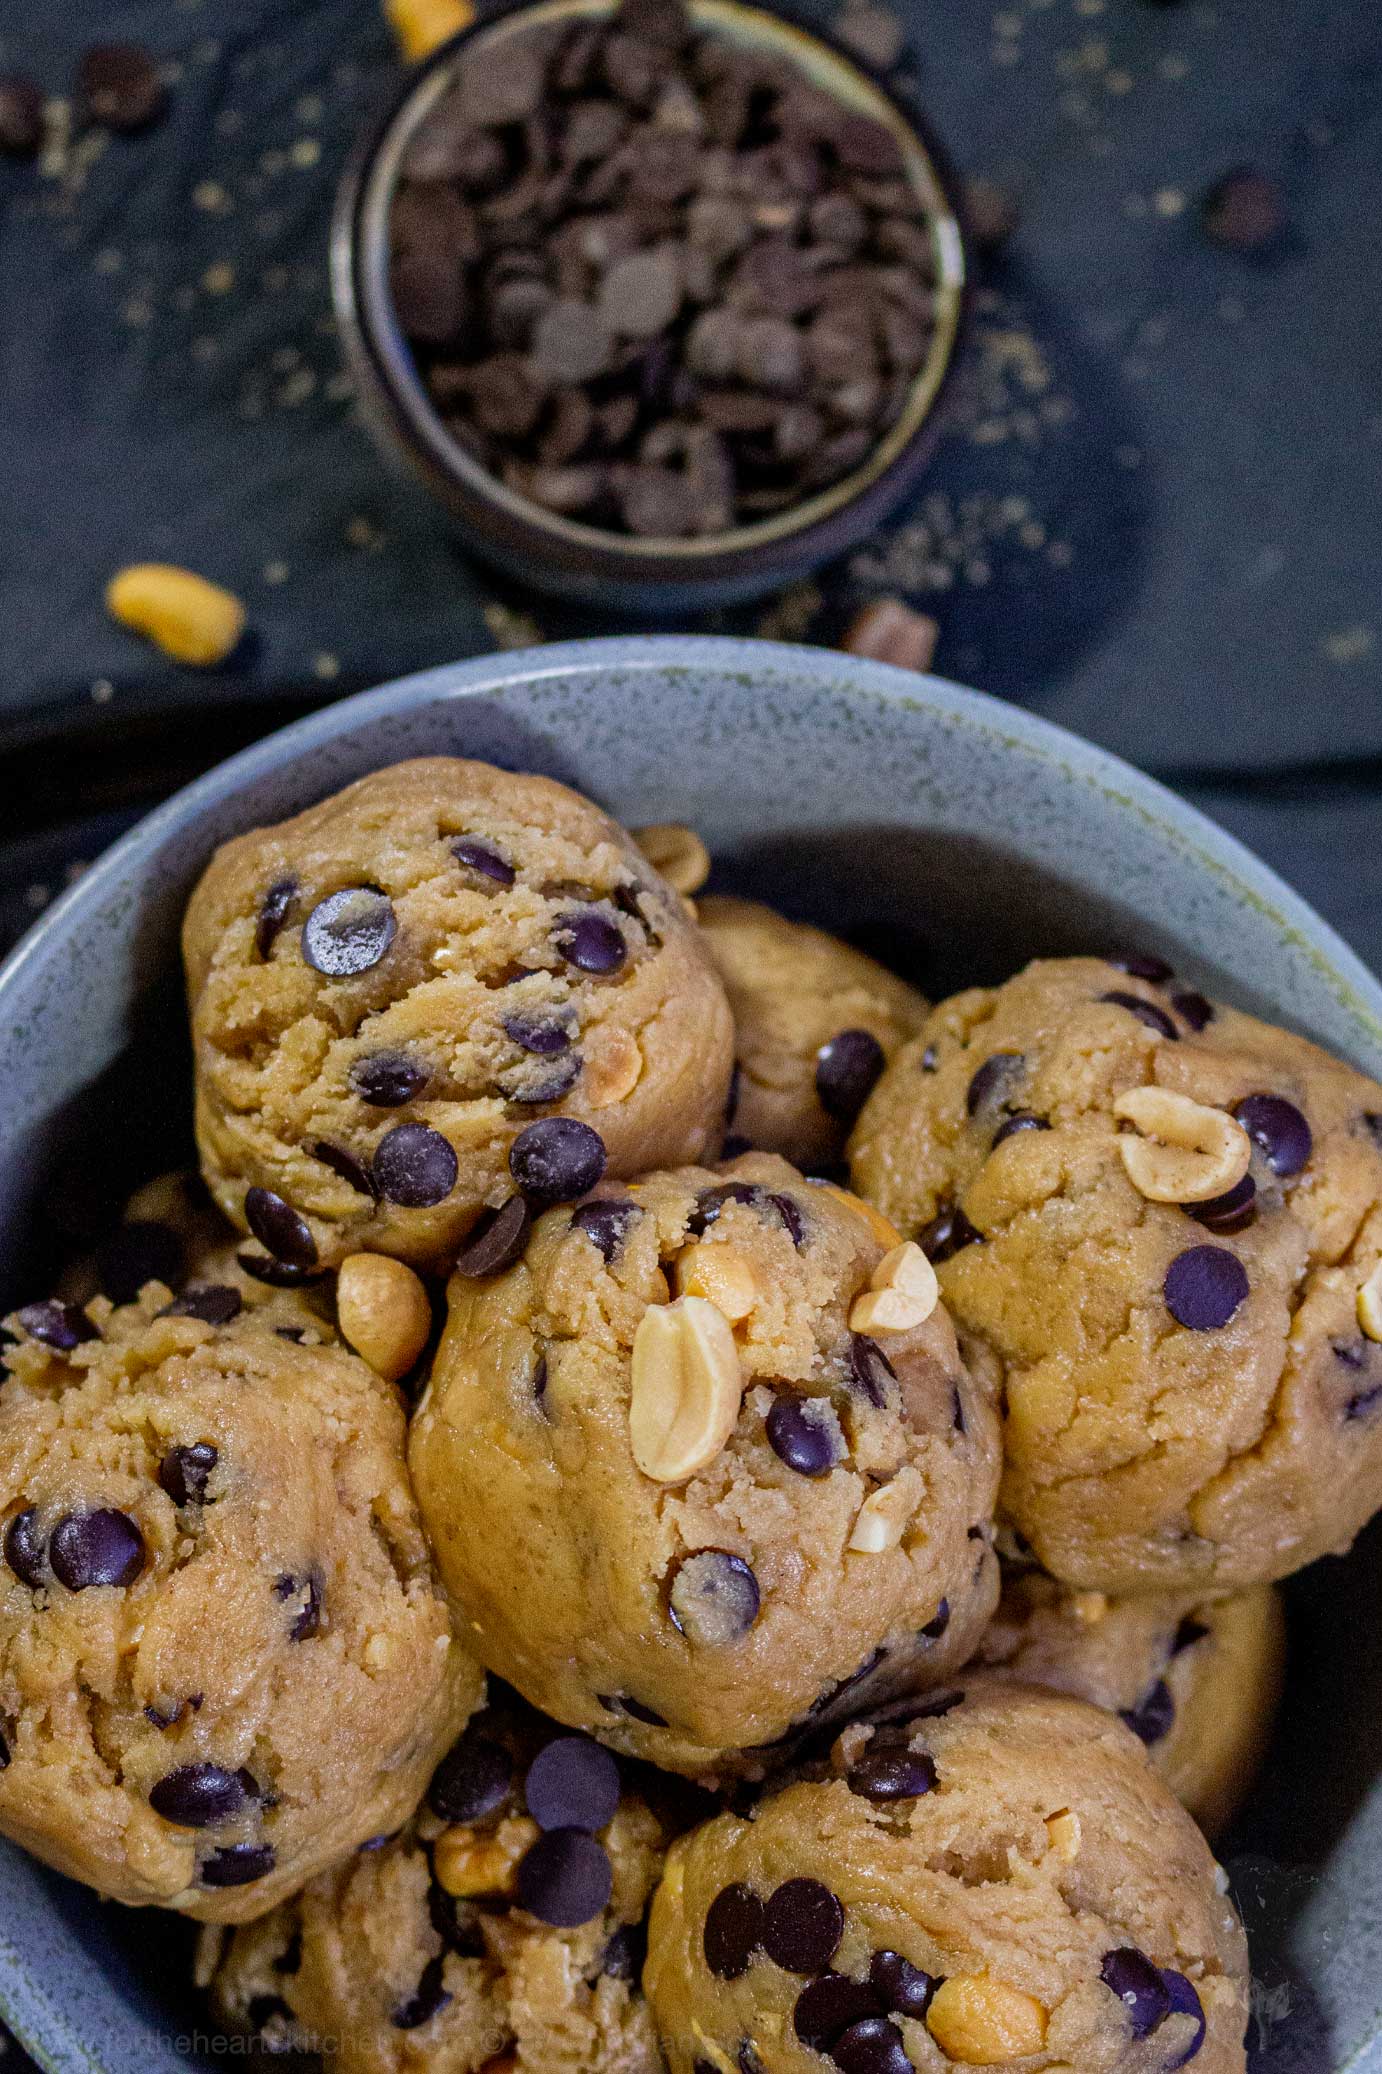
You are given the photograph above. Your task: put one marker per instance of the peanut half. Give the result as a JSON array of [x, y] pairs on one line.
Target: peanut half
[[721, 1275], [190, 619], [383, 1311], [687, 1388], [902, 1293], [883, 1517], [422, 26], [677, 853], [982, 2022], [1185, 1152], [1370, 1304]]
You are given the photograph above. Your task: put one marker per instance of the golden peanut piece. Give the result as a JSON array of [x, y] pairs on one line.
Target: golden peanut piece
[[687, 1388], [1063, 1835], [883, 1517], [1089, 1607], [886, 1233], [613, 1067], [190, 619], [422, 26], [1370, 1304], [384, 1312], [1185, 1152], [467, 1861], [722, 1276], [980, 2021], [902, 1293], [677, 853]]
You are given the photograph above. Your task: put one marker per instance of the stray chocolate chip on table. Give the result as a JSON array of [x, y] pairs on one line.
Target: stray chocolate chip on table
[[118, 86], [21, 116]]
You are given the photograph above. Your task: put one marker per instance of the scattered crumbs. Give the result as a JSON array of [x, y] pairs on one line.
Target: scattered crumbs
[[275, 572], [362, 532], [137, 312], [310, 108], [219, 278], [102, 691], [791, 614], [1060, 554], [1269, 564], [306, 151], [1090, 7], [272, 162], [1168, 201], [510, 628], [296, 390], [326, 666], [37, 896], [1119, 82], [284, 359], [1008, 23], [108, 260], [212, 197], [229, 122], [1173, 66], [1350, 645], [946, 543], [873, 32], [339, 388], [204, 347]]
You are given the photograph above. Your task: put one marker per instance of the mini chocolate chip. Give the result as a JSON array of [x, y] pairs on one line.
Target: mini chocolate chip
[[1154, 1715], [886, 1775], [805, 1434], [349, 932], [414, 1166], [1146, 1012], [1204, 1287], [388, 1079], [957, 1412], [1363, 1402], [98, 1547], [479, 858], [947, 1234], [352, 1171], [1139, 1986], [279, 1229], [870, 1371], [1193, 1008], [274, 910], [496, 1240], [711, 1201], [198, 1796], [135, 1253], [903, 1988], [803, 1923], [1231, 1212], [473, 1779], [1185, 2001], [119, 87], [539, 1382], [937, 1626], [835, 1692], [565, 1879], [733, 1931], [1279, 1131], [550, 1086], [828, 2006], [280, 1274], [872, 2046], [25, 1548], [159, 1718], [605, 1224], [572, 1783], [427, 2000], [988, 1083], [185, 1472], [748, 2060], [1189, 1632], [543, 1035], [1142, 966], [21, 116], [215, 1303], [791, 1217], [557, 1160], [1020, 1120], [459, 1932], [929, 1059], [714, 1598], [237, 1865], [59, 1325], [309, 1618], [591, 942], [623, 1957], [625, 1703], [847, 1070]]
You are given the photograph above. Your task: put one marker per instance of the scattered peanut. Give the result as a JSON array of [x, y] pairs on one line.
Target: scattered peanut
[[677, 853], [722, 1276], [190, 619], [980, 2021], [883, 1517], [902, 1292], [422, 26], [886, 1233], [384, 1312], [1186, 1152], [1089, 1608], [613, 1066], [1063, 1835], [889, 631], [467, 1861], [687, 1388], [1370, 1304]]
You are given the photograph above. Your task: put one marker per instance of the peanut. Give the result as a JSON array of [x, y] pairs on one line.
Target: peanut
[[1186, 1152], [467, 1862], [422, 26], [980, 2021], [889, 631], [1089, 1608], [190, 619], [1063, 1835], [887, 1234], [1370, 1304], [384, 1312], [677, 853], [902, 1292], [687, 1388], [722, 1276], [882, 1519], [613, 1067]]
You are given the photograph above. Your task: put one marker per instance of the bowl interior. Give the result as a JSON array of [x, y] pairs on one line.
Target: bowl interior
[[956, 837]]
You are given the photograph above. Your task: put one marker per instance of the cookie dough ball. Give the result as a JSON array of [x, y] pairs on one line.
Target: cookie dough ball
[[1002, 1881], [815, 1022], [692, 1483], [486, 1939], [224, 1660], [1154, 1218], [387, 989], [1198, 1680]]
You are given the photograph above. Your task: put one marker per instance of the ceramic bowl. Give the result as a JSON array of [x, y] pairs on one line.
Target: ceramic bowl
[[564, 555], [853, 794]]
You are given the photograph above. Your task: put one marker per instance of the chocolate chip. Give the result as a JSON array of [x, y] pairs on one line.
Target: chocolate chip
[[803, 1923], [496, 1240], [827, 2007], [25, 1549], [274, 910], [59, 1325], [352, 1171], [118, 86], [714, 1598], [641, 294], [473, 1779], [947, 1234], [565, 1879], [1244, 211], [427, 2000], [539, 1383], [1185, 2001], [571, 343], [872, 2046], [870, 1371], [624, 1703], [428, 294], [1204, 1287], [307, 1621], [481, 859], [159, 1718], [791, 1217], [733, 1931], [605, 1224], [1193, 1008], [185, 1472], [1144, 966], [531, 1091], [135, 1253], [591, 943], [21, 116], [215, 1303], [847, 1070], [887, 1775], [572, 1783], [1188, 1633], [1363, 1402], [1154, 1715], [557, 1160], [1278, 1130], [937, 1625], [543, 1035], [902, 1988], [623, 1957], [992, 1078], [711, 1201], [414, 1166], [279, 1229], [1146, 1012], [280, 1274], [1139, 1986], [805, 1433], [388, 1079], [929, 1059], [1020, 1120], [349, 932], [199, 1796], [237, 1865], [98, 1547], [1231, 1212]]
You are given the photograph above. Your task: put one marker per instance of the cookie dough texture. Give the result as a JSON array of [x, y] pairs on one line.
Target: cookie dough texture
[[383, 1971], [1046, 1844], [211, 1560], [1196, 1680], [792, 989], [1143, 1453], [569, 1568], [540, 967]]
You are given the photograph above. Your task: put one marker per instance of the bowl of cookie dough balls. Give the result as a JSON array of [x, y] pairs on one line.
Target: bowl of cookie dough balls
[[692, 1351]]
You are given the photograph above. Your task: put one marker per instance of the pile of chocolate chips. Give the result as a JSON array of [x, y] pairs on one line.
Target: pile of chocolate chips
[[655, 280]]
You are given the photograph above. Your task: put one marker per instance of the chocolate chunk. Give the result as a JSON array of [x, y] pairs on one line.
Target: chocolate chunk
[[713, 1599], [237, 1865], [591, 942], [828, 2006], [872, 2046], [624, 1703], [623, 1957], [497, 1240], [711, 1201], [543, 1035], [215, 1303], [947, 1234], [274, 910], [1188, 1633], [887, 1775], [1144, 965], [1192, 1008], [1231, 1212], [25, 1548], [1185, 2001], [415, 1167], [472, 1781], [427, 2000], [307, 1620], [1278, 1130], [791, 1217], [805, 1433], [1020, 1120], [1204, 1287], [280, 1274], [1139, 1986], [279, 1229], [940, 1621], [349, 932], [21, 116], [1244, 211], [118, 87], [572, 1783], [532, 1090], [902, 1988], [1146, 1012], [847, 1069], [1154, 1715], [733, 1931], [605, 1224], [59, 1325], [352, 1171], [571, 343], [388, 1079], [565, 1879], [803, 1923], [185, 1472], [870, 1371], [485, 862], [991, 1080], [557, 1160], [98, 1547], [199, 1796]]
